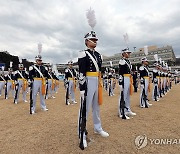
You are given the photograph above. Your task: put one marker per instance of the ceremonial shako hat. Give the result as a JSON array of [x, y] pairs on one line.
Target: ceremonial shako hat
[[144, 59], [10, 69], [126, 50], [50, 68], [70, 62], [20, 65], [38, 57], [156, 64], [91, 35]]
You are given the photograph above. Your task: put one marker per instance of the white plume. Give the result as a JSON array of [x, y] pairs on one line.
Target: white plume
[[156, 57], [166, 65], [20, 60], [10, 65], [146, 50], [111, 63], [2, 68], [91, 18], [160, 60], [54, 68], [136, 68], [39, 48]]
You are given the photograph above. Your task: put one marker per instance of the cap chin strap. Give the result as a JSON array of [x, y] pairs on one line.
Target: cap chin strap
[[91, 41]]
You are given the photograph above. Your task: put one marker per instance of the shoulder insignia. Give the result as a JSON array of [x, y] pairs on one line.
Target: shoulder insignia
[[141, 68], [122, 62], [155, 71], [81, 54], [66, 70], [30, 68]]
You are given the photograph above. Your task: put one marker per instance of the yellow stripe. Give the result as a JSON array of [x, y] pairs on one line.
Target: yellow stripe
[[10, 80], [37, 78], [70, 78], [127, 75], [96, 74], [146, 77], [20, 79]]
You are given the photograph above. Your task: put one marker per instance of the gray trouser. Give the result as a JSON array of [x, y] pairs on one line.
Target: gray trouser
[[19, 88], [37, 87], [1, 86], [111, 86], [142, 102], [50, 91], [127, 93], [71, 90], [92, 101], [56, 87], [154, 86], [9, 88]]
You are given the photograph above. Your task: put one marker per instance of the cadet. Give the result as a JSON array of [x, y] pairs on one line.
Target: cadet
[[9, 83], [21, 77], [38, 76], [126, 85], [90, 62], [50, 88], [2, 80], [135, 80], [156, 82], [145, 83], [70, 80]]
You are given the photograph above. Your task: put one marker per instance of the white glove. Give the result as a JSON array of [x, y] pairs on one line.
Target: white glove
[[82, 94], [121, 87], [142, 86]]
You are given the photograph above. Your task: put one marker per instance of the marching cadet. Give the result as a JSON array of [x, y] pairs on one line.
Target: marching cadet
[[70, 80], [38, 76], [90, 62], [126, 85], [9, 83], [145, 83], [21, 78], [2, 80], [156, 82], [50, 88]]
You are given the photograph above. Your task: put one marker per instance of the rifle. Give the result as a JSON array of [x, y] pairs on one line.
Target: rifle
[[46, 95], [122, 105], [16, 89], [110, 87], [155, 89], [31, 97], [6, 89], [67, 92], [144, 97], [82, 121]]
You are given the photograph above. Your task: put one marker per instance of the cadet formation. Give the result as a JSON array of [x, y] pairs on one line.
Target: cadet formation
[[39, 81]]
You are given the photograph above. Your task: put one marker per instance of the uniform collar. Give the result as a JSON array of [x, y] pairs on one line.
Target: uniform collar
[[90, 49]]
